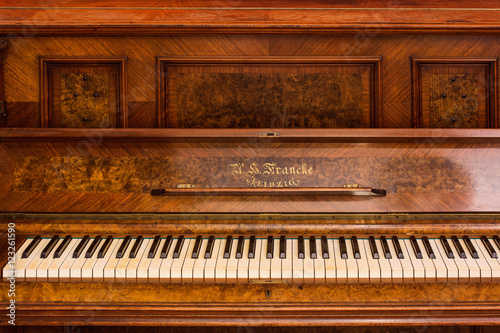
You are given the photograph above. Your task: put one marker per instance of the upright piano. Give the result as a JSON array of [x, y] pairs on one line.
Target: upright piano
[[244, 164]]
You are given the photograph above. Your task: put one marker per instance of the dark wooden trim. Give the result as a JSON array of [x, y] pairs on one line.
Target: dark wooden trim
[[307, 191], [365, 135], [373, 61], [46, 61], [491, 78]]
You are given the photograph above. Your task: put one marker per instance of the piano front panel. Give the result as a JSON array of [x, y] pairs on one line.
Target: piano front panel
[[394, 85]]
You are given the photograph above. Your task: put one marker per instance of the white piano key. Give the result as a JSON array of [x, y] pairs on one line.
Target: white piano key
[[30, 268], [396, 267], [474, 270], [265, 264], [276, 262], [352, 263], [490, 272], [188, 265], [232, 264], [176, 269], [121, 265], [385, 265], [287, 263], [308, 263], [330, 265], [363, 265], [42, 269], [463, 269], [166, 263], [199, 264], [319, 264], [142, 251], [9, 269], [98, 268], [341, 263], [442, 257], [429, 268], [418, 266], [243, 263], [406, 264], [110, 268], [297, 264], [254, 265], [53, 270], [373, 265], [211, 263], [88, 267], [221, 265]]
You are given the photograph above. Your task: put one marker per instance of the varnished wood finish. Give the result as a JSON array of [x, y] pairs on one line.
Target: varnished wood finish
[[152, 17], [443, 176], [281, 92], [3, 113], [58, 109]]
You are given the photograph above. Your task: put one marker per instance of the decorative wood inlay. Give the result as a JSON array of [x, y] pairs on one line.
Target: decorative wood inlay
[[454, 100], [269, 92], [83, 92], [454, 93], [141, 174], [235, 100], [85, 100]]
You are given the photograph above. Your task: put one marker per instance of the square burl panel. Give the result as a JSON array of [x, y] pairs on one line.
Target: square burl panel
[[78, 93], [454, 93], [269, 93]]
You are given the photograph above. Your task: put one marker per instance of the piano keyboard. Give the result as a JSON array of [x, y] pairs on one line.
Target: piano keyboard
[[258, 260]]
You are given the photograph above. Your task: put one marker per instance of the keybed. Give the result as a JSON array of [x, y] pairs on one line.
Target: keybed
[[269, 259]]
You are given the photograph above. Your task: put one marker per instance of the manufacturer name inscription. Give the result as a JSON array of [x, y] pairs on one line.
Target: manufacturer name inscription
[[270, 174]]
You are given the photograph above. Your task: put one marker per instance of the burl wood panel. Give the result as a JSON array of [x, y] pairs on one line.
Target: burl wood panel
[[269, 92], [85, 100], [454, 93], [427, 176], [139, 174], [22, 79], [227, 100], [454, 101]]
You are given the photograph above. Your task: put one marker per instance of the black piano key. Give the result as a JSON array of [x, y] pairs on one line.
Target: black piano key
[[136, 247], [458, 246], [489, 247], [154, 247], [373, 247], [312, 247], [470, 247], [416, 248], [428, 247], [239, 248], [301, 247], [62, 247], [178, 247], [324, 248], [355, 247], [447, 247], [34, 243], [210, 247], [166, 247], [343, 248], [197, 246], [385, 247], [123, 247], [93, 247], [496, 240], [282, 247], [49, 247], [251, 248], [270, 247], [105, 247], [227, 248], [79, 249], [397, 247]]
